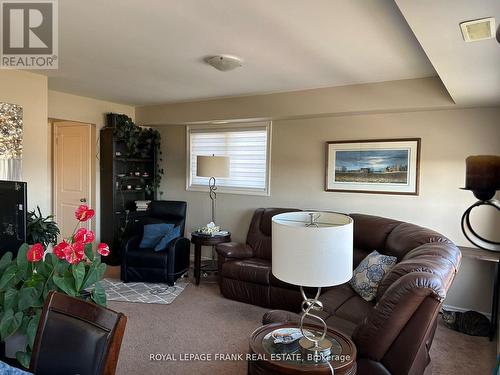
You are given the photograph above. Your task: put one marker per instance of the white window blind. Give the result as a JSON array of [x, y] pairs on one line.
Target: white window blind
[[247, 149]]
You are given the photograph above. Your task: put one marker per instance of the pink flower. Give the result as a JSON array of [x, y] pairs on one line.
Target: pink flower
[[103, 249], [89, 237], [84, 213], [84, 235], [79, 235], [35, 253], [74, 253], [60, 249]]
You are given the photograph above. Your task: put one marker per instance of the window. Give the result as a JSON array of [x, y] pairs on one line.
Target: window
[[248, 148]]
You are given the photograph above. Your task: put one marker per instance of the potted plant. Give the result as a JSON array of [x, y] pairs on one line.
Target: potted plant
[[72, 268], [41, 229]]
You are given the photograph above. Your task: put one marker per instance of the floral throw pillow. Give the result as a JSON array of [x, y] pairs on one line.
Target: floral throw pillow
[[369, 273]]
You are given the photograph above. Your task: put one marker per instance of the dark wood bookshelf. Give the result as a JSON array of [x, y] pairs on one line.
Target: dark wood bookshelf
[[115, 197]]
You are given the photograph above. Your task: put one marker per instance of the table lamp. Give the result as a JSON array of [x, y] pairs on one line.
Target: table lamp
[[312, 249], [212, 166], [482, 177]]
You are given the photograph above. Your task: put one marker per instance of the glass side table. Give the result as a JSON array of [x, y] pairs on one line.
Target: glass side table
[[265, 357]]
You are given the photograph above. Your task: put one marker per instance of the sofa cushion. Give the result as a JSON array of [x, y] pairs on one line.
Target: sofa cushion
[[343, 310], [359, 255], [254, 270], [343, 302], [407, 237], [259, 232], [370, 232], [369, 273]]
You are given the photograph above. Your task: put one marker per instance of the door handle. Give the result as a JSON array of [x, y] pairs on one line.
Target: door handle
[[83, 200]]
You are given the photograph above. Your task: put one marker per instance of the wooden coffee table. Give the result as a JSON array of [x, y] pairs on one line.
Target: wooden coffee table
[[266, 359]]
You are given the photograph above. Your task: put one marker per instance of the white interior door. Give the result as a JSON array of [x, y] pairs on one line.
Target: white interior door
[[72, 172]]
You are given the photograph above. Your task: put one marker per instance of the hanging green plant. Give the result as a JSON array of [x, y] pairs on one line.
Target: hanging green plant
[[140, 142]]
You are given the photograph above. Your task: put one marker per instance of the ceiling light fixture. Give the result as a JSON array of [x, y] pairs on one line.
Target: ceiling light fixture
[[480, 29], [224, 63]]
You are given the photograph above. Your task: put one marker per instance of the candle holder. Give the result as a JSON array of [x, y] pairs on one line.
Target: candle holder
[[482, 177]]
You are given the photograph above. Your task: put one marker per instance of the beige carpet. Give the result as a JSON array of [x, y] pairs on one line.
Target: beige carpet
[[200, 320]]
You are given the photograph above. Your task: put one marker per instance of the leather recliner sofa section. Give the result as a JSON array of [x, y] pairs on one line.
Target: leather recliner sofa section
[[393, 334]]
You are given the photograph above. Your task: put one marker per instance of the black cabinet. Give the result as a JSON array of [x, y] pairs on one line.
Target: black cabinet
[[125, 178]]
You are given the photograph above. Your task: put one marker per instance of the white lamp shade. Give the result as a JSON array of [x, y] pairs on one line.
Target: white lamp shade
[[212, 166], [312, 256]]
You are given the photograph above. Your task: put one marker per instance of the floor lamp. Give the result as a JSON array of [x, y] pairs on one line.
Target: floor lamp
[[312, 249], [212, 167]]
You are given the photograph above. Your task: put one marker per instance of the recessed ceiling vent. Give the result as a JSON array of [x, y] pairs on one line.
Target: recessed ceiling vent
[[476, 30], [224, 62]]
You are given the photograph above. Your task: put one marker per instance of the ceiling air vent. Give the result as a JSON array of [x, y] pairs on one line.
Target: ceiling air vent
[[481, 29]]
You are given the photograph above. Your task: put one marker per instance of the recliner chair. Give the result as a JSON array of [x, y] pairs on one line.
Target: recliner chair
[[148, 265]]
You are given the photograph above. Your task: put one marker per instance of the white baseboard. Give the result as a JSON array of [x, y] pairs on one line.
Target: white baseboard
[[461, 309]]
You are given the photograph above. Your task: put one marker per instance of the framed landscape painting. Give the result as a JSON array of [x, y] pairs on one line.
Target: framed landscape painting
[[384, 166]]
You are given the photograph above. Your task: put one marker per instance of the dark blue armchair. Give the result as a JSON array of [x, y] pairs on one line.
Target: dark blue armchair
[[165, 266]]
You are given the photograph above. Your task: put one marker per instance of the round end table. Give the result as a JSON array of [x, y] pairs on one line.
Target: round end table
[[200, 240], [268, 358]]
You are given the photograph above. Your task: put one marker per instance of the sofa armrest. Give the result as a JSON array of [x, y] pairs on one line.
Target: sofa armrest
[[399, 304], [234, 250]]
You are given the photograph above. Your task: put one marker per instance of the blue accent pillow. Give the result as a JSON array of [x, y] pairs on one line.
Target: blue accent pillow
[[171, 235], [369, 273], [153, 233]]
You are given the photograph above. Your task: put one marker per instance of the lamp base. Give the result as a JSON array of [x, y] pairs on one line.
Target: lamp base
[[315, 351]]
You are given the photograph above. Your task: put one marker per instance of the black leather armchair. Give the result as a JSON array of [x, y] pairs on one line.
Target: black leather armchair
[[157, 266]]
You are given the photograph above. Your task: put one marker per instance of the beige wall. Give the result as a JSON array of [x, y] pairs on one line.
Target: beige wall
[[39, 104], [62, 106], [404, 95], [30, 91], [448, 137]]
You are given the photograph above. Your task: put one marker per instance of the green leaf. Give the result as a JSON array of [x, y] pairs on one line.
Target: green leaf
[[24, 358], [8, 276], [99, 295], [88, 252], [78, 271], [10, 299], [61, 266], [31, 330], [66, 283], [5, 261], [49, 286], [10, 323], [95, 274], [50, 259], [29, 297], [43, 269], [21, 259]]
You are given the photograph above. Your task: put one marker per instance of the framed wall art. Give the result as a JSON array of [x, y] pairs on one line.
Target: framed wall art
[[11, 141], [383, 166]]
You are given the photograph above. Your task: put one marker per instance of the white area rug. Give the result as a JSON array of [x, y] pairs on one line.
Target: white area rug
[[117, 290]]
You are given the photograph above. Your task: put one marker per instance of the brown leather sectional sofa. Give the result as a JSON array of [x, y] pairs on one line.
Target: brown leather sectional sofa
[[393, 334]]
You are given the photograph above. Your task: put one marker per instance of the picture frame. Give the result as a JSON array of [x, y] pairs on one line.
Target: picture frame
[[376, 166]]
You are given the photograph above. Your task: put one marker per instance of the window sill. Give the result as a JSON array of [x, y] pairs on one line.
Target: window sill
[[228, 190]]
